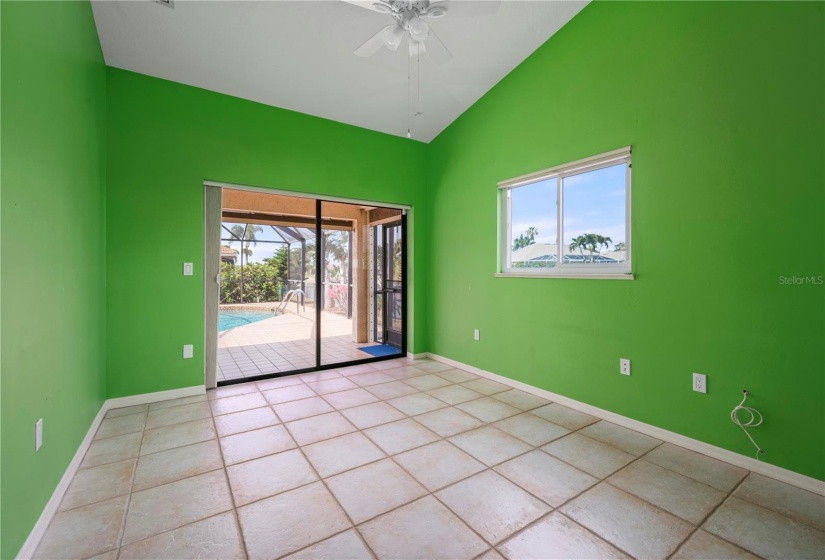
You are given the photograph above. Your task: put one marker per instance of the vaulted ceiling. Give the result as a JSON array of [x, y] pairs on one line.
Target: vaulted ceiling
[[298, 55]]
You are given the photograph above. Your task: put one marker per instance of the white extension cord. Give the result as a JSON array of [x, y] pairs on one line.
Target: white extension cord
[[754, 420]]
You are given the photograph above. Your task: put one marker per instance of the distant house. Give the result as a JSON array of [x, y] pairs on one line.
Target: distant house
[[228, 254], [545, 255]]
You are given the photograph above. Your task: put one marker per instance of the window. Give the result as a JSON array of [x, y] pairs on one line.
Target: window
[[569, 220]]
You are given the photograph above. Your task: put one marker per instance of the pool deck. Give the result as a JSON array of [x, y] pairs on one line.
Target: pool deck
[[284, 343]]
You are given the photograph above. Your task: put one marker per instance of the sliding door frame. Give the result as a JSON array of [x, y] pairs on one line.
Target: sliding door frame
[[319, 200]]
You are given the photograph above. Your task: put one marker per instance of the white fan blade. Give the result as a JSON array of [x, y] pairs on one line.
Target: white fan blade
[[436, 49], [373, 44], [370, 5], [468, 8]]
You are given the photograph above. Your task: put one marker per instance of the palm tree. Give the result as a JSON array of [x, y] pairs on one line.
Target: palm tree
[[620, 246], [579, 242], [246, 234], [603, 242], [526, 238]]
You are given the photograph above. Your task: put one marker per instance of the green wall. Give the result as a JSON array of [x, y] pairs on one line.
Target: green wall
[[53, 140], [723, 106], [164, 140]]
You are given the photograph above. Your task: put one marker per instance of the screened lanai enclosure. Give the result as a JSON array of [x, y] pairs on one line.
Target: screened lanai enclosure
[[306, 284]]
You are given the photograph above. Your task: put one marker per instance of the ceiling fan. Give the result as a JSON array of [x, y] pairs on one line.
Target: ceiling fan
[[411, 21]]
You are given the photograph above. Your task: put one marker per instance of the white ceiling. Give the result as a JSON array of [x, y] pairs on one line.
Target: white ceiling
[[298, 55]]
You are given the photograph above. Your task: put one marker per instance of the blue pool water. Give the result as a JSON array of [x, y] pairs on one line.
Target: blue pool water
[[231, 318]]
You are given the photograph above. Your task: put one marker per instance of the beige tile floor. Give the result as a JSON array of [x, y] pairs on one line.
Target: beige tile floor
[[411, 460]]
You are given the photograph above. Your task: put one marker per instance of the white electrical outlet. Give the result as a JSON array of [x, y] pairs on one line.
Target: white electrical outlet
[[700, 383], [476, 335], [38, 434], [188, 269], [624, 366], [188, 350]]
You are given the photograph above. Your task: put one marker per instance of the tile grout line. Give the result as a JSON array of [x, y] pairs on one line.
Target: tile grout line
[[131, 490]]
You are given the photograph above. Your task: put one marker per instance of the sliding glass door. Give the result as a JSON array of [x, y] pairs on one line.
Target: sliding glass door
[[305, 285]]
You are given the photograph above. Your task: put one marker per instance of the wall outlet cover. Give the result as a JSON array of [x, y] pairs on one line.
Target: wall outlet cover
[[624, 366], [476, 335], [38, 434], [700, 383]]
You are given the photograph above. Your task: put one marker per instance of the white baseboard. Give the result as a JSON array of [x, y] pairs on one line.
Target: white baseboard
[[749, 463], [28, 548], [419, 356], [27, 551], [146, 398]]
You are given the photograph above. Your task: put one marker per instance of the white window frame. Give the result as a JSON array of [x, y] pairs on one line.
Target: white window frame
[[620, 271]]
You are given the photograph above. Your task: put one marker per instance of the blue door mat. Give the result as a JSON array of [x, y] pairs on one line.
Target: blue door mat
[[381, 350]]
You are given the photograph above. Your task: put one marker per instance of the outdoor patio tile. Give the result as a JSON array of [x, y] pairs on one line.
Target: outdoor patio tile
[[177, 415], [704, 546], [619, 437], [625, 521], [176, 435], [99, 484], [84, 531], [715, 473], [172, 505], [345, 546], [418, 403], [270, 475], [422, 529], [489, 445], [291, 393], [485, 386], [790, 501], [176, 464], [374, 489], [231, 391], [332, 385], [111, 450], [238, 403], [305, 516], [256, 443], [448, 422], [120, 425], [370, 378], [764, 532], [216, 537], [457, 375], [488, 409], [244, 421], [557, 537], [438, 464], [391, 390], [159, 405], [374, 414], [343, 453], [492, 505], [126, 410], [546, 477], [531, 429], [295, 410], [279, 382], [521, 399], [400, 436], [433, 367], [454, 394], [680, 495], [318, 428], [564, 416], [589, 455], [349, 399], [428, 382]]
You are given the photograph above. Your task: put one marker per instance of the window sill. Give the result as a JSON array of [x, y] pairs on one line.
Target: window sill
[[628, 276]]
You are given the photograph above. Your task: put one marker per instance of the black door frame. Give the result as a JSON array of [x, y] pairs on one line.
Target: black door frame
[[318, 294]]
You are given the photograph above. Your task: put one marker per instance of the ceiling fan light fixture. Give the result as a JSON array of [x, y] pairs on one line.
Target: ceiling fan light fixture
[[419, 30], [393, 36]]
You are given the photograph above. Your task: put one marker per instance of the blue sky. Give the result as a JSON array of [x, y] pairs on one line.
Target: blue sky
[[594, 202]]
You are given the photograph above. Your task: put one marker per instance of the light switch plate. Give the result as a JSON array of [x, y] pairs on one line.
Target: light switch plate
[[38, 434], [188, 351], [188, 269]]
